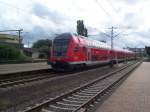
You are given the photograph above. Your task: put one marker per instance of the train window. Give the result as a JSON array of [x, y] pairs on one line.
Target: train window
[[84, 50], [61, 42], [94, 58], [60, 46], [76, 48]]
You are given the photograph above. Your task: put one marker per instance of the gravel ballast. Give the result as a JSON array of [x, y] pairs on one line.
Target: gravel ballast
[[19, 97]]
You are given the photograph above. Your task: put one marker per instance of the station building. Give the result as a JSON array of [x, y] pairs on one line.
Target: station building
[[140, 52], [147, 48], [9, 39]]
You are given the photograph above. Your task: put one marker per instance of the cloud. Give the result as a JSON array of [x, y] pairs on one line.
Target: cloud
[[44, 18], [43, 12], [132, 2]]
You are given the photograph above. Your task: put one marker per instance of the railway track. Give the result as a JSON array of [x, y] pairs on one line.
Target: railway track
[[11, 79], [24, 77], [81, 98]]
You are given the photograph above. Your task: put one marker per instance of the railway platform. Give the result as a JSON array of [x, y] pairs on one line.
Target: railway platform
[[13, 68], [133, 95]]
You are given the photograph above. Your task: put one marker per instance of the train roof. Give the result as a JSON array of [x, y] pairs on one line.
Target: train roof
[[90, 42], [96, 43], [64, 36]]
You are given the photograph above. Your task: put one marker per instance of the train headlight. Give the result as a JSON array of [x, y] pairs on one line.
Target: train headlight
[[75, 57], [58, 59]]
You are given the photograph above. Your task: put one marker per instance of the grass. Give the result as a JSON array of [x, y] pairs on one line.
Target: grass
[[5, 104]]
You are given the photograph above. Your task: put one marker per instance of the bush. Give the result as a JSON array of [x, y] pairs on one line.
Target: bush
[[8, 52]]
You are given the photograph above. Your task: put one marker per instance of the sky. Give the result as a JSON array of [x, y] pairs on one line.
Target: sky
[[41, 19]]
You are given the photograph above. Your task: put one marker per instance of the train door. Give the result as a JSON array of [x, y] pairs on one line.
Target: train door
[[89, 54], [84, 53]]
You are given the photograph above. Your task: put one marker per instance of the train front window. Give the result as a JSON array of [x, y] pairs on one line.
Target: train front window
[[60, 45]]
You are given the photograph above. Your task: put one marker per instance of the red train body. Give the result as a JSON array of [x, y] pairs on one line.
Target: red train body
[[69, 51]]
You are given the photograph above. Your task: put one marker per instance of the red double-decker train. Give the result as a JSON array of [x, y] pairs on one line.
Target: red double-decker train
[[70, 51]]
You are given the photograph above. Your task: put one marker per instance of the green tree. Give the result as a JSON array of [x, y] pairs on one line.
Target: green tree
[[9, 52], [42, 43], [85, 32], [43, 46], [81, 29]]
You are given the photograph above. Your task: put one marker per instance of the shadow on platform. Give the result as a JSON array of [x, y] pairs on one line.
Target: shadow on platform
[[147, 60]]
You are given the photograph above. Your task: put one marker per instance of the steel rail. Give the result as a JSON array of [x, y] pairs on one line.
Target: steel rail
[[17, 78], [29, 79], [90, 101], [45, 104], [7, 76]]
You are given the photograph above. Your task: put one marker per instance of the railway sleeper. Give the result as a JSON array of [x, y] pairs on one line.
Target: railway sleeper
[[57, 108], [81, 96], [92, 90], [96, 88], [89, 92], [76, 99], [98, 85], [67, 105], [85, 94], [73, 101], [45, 110]]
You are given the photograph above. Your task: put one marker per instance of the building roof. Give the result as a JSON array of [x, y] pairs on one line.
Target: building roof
[[8, 38]]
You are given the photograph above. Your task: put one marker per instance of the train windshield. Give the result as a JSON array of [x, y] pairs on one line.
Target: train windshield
[[60, 45]]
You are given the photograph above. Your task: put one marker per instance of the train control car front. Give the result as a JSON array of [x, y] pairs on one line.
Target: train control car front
[[62, 54]]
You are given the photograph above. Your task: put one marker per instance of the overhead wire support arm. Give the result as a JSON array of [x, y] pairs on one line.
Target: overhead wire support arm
[[116, 35], [11, 30], [106, 34]]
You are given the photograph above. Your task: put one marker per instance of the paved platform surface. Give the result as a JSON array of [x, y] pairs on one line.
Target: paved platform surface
[[12, 68], [133, 95]]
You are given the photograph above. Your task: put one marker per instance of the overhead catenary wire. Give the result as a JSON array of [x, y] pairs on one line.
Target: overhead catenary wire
[[110, 3], [112, 28], [18, 9], [15, 7], [107, 13], [28, 12]]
